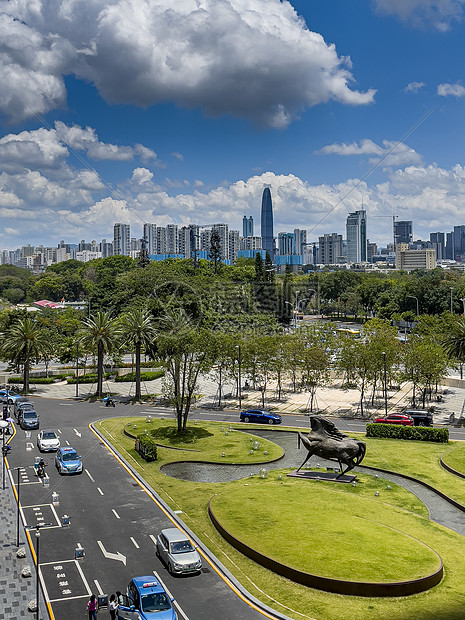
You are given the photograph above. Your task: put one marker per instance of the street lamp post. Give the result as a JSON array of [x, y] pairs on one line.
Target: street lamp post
[[317, 299], [17, 498], [297, 306], [3, 426], [418, 305], [239, 391], [37, 570], [451, 300], [385, 384]]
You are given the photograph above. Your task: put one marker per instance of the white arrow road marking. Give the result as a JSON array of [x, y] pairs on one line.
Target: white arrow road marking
[[78, 433], [111, 556]]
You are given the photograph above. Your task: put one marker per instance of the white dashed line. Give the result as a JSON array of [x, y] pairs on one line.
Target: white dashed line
[[134, 543], [115, 513], [89, 475], [100, 491], [97, 585]]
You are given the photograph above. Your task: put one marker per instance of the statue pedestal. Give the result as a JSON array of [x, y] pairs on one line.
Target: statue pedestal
[[321, 475]]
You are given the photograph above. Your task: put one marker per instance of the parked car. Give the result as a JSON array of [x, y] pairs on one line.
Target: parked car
[[420, 418], [68, 461], [47, 441], [146, 599], [22, 405], [259, 415], [177, 552], [9, 397], [28, 419], [395, 418]]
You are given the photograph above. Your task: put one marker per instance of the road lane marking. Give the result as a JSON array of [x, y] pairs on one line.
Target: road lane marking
[[154, 540], [87, 472], [134, 542], [115, 513], [100, 491], [171, 596], [66, 404], [112, 556], [78, 433], [97, 585]]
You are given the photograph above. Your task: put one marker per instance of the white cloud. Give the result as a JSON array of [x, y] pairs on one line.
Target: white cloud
[[254, 59], [141, 175], [454, 90], [439, 14], [178, 156], [414, 87], [390, 154]]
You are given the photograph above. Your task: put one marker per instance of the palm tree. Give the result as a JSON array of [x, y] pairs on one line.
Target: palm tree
[[100, 332], [23, 342], [137, 328]]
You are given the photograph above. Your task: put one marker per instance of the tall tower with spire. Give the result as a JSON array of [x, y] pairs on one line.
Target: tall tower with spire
[[267, 222]]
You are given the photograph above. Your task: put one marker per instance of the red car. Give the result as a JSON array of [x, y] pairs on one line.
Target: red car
[[395, 418]]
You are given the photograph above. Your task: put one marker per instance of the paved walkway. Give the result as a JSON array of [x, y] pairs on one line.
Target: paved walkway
[[15, 591]]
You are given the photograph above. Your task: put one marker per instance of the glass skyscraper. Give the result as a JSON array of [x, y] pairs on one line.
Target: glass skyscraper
[[356, 227], [267, 222]]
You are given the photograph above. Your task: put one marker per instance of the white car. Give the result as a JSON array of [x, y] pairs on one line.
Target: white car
[[47, 441]]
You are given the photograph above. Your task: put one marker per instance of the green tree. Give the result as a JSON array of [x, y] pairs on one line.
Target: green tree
[[23, 343], [186, 351], [214, 253], [100, 333], [259, 268], [137, 328]]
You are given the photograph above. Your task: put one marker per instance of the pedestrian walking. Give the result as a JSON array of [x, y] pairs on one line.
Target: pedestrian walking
[[113, 606], [92, 607]]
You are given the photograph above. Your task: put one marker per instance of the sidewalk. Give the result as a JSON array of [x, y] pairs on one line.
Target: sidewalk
[[15, 591]]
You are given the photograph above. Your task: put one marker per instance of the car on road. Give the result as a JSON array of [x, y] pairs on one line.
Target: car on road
[[146, 599], [420, 418], [68, 461], [395, 418], [259, 415], [28, 419], [177, 552], [22, 406], [9, 397], [47, 441]]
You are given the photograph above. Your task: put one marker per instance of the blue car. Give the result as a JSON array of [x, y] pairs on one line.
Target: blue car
[[259, 415], [9, 397], [68, 461], [146, 600]]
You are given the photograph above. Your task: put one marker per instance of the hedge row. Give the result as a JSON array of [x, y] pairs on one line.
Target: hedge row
[[44, 380], [86, 379], [415, 433], [146, 447], [145, 376]]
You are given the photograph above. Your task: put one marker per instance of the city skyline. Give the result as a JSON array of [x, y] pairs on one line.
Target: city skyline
[[337, 107]]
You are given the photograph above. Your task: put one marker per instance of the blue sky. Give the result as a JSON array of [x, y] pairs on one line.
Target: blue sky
[[181, 112]]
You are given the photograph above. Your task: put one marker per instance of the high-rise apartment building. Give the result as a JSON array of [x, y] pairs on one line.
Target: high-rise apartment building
[[106, 248], [161, 240], [223, 231], [330, 249], [150, 236], [300, 240], [251, 243], [356, 227], [403, 231], [267, 222], [286, 243], [172, 246], [121, 239], [247, 226], [234, 245]]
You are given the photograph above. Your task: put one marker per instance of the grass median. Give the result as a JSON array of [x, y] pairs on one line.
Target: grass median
[[324, 518]]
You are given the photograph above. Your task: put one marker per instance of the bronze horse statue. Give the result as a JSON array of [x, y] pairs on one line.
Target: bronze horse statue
[[326, 441]]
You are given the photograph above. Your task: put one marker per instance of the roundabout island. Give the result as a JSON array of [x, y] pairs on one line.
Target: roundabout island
[[311, 549]]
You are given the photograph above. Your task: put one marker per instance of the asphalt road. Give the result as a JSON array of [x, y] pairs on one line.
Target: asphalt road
[[112, 518]]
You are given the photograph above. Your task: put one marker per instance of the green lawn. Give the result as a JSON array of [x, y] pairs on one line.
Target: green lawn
[[322, 505]]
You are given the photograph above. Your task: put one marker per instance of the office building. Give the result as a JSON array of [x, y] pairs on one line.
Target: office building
[[330, 249], [459, 243], [437, 241], [247, 226], [409, 260], [356, 228], [403, 232], [121, 239], [267, 222]]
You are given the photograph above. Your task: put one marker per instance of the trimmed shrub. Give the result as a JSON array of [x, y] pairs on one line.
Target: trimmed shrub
[[145, 376], [43, 380], [146, 447], [415, 433]]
